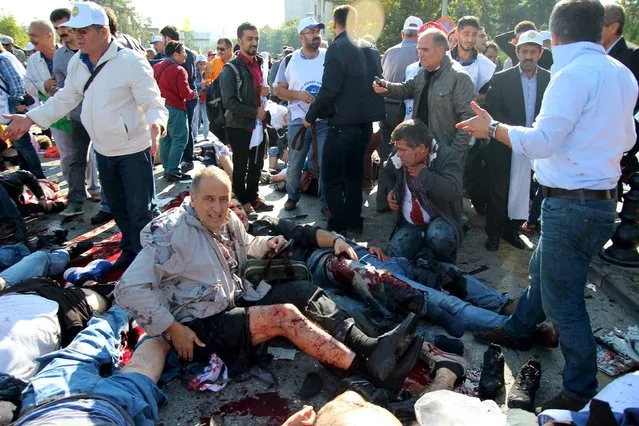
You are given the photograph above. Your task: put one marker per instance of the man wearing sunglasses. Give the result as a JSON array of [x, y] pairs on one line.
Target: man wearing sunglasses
[[224, 54], [123, 113]]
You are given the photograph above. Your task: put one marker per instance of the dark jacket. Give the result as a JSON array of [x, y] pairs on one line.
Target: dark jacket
[[347, 96], [15, 181], [504, 43], [449, 95], [241, 112], [505, 97], [442, 181], [630, 58]]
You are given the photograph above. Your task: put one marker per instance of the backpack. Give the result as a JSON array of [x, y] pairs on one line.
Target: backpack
[[214, 108]]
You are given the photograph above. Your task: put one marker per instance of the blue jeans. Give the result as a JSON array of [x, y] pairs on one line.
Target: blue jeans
[[201, 117], [572, 231], [28, 157], [104, 204], [76, 369], [172, 145], [456, 316], [439, 236], [297, 159], [343, 155], [129, 186], [191, 132], [21, 264]]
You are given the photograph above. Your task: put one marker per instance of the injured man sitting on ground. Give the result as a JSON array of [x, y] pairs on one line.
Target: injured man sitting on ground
[[187, 285]]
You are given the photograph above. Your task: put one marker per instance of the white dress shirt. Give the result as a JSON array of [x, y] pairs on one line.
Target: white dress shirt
[[585, 123]]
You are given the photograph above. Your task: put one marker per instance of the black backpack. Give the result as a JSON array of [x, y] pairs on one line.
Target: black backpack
[[214, 108]]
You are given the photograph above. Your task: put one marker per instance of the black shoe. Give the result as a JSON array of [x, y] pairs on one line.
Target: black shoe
[[124, 260], [390, 348], [522, 392], [101, 217], [491, 382], [404, 410], [186, 166], [182, 177], [366, 389], [396, 380], [514, 240], [312, 386], [499, 336], [77, 249], [563, 402], [492, 244]]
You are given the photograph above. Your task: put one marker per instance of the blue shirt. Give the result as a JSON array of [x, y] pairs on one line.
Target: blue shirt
[[12, 79], [585, 123], [529, 86]]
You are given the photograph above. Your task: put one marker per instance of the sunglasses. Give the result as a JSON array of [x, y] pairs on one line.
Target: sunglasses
[[221, 49]]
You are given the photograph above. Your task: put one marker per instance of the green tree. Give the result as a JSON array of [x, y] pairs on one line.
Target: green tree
[[9, 26], [130, 21], [272, 39]]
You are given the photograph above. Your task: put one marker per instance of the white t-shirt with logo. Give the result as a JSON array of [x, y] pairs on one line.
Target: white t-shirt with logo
[[301, 73]]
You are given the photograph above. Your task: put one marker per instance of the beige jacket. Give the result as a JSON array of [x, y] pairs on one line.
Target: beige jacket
[[181, 274]]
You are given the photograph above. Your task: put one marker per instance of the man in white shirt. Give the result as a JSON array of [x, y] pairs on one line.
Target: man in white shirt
[[479, 67], [299, 79], [583, 128], [123, 113]]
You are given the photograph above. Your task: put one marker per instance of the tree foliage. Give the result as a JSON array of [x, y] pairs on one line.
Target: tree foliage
[[9, 26], [272, 39], [130, 21]]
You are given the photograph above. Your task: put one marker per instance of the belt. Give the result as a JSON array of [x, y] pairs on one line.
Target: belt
[[578, 194]]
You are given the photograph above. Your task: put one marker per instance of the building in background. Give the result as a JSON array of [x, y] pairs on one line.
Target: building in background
[[296, 9]]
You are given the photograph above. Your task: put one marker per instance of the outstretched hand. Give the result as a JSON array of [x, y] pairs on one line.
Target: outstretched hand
[[478, 125]]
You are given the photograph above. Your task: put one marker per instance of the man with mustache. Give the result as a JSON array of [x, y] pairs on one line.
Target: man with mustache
[[299, 79], [514, 97]]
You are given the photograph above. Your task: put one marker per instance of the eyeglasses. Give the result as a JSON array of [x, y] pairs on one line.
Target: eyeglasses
[[85, 30], [221, 49]]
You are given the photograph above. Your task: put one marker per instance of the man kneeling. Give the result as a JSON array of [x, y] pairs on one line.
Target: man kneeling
[[186, 284]]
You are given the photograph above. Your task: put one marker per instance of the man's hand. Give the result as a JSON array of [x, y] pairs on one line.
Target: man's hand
[[265, 91], [183, 339], [307, 124], [379, 87], [376, 251], [342, 247], [304, 96], [392, 201], [414, 170], [155, 138], [20, 124], [276, 243], [50, 85], [478, 125], [305, 417], [261, 113]]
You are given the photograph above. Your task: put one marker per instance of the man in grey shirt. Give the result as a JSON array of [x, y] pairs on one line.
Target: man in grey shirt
[[394, 63]]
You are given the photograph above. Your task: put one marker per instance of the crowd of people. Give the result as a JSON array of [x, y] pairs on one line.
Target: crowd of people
[[540, 143]]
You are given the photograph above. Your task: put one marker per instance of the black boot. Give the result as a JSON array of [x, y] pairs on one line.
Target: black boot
[[491, 382], [395, 381], [366, 389], [522, 393], [390, 347]]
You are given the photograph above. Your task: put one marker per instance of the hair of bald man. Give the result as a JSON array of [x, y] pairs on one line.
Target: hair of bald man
[[350, 409], [439, 38], [45, 26], [212, 172]]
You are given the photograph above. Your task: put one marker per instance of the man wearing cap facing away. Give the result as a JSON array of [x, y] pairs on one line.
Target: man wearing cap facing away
[[299, 79], [7, 43], [394, 63], [514, 97], [122, 111], [158, 44]]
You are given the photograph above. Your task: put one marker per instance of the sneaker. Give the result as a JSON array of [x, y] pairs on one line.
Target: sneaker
[[290, 205], [182, 177], [186, 166], [522, 393], [436, 358], [260, 205], [491, 382], [563, 402], [93, 271], [77, 249], [250, 211], [101, 217], [73, 209]]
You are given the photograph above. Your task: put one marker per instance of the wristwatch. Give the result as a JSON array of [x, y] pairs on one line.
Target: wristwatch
[[492, 128]]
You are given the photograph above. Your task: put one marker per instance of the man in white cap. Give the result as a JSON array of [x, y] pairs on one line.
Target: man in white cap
[[7, 43], [514, 97], [394, 63], [299, 79], [547, 38], [29, 49], [158, 44], [123, 113]]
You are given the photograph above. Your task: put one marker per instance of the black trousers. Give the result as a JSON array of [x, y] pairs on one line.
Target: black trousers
[[247, 164], [394, 115], [497, 157]]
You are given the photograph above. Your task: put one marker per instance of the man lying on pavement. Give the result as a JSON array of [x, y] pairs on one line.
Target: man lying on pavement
[[186, 284]]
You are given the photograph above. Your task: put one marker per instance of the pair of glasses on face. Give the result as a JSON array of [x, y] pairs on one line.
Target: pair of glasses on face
[[83, 31], [221, 49]]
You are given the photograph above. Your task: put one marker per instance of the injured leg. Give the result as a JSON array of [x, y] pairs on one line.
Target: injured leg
[[285, 320], [148, 359]]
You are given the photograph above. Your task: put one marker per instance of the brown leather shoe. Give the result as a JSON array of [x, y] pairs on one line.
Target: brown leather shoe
[[546, 335], [509, 307], [500, 336], [290, 205], [260, 205], [563, 402]]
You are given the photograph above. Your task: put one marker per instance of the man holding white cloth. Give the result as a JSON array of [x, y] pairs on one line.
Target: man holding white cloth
[[584, 127]]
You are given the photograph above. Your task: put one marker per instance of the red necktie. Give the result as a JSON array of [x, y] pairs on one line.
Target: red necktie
[[416, 214]]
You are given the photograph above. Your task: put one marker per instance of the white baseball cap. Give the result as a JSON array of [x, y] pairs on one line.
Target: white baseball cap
[[530, 36], [412, 23], [86, 14], [156, 39], [545, 34], [200, 58], [309, 22], [6, 40], [29, 47]]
